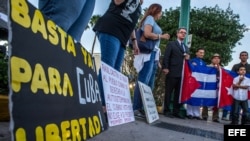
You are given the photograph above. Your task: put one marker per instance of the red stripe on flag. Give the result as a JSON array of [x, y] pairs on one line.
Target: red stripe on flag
[[225, 89], [189, 83]]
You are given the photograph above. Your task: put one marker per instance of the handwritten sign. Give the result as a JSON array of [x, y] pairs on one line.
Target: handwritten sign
[[149, 103], [117, 96]]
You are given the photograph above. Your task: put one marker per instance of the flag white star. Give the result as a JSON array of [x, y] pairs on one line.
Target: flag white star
[[230, 90]]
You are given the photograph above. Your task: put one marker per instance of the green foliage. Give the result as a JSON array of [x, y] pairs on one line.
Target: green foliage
[[216, 30]]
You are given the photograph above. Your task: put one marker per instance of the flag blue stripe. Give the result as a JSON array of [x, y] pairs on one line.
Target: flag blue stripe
[[202, 101], [203, 69], [208, 75], [208, 85]]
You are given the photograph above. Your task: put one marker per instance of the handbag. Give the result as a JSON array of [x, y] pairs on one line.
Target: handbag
[[145, 45]]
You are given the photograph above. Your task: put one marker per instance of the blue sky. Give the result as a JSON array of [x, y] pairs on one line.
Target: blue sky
[[240, 7]]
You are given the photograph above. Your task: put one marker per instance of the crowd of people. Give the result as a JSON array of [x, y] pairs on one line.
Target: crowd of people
[[114, 29]]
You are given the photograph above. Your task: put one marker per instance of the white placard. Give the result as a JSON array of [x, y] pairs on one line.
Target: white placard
[[117, 96], [148, 102]]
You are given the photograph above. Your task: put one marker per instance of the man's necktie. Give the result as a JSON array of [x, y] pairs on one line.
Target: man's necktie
[[183, 47]]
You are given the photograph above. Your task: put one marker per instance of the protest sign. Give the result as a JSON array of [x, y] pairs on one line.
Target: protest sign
[[117, 96], [148, 103], [54, 92]]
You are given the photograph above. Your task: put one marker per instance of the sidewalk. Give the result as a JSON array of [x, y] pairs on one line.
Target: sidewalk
[[164, 129]]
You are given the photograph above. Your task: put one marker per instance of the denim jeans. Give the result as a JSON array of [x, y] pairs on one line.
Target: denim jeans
[[112, 53], [71, 15], [235, 110], [144, 77], [151, 82]]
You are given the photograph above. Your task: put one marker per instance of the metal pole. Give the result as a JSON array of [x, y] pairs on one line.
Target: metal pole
[[184, 16], [184, 22]]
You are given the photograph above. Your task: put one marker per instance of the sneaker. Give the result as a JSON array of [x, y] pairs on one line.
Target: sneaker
[[198, 118], [179, 116], [216, 120], [189, 116], [138, 113], [204, 118], [224, 118], [233, 123], [168, 114]]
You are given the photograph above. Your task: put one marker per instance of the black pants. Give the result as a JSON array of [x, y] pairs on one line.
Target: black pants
[[172, 85], [235, 108]]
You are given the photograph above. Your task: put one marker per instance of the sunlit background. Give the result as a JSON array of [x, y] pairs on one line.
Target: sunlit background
[[240, 7]]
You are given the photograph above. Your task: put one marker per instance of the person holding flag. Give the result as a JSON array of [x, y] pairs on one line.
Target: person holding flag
[[194, 111], [215, 62], [172, 66]]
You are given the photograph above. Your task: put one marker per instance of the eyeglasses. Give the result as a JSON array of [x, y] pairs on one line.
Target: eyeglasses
[[183, 32]]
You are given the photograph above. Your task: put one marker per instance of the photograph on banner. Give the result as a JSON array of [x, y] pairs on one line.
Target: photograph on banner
[[148, 103], [54, 91], [117, 96]]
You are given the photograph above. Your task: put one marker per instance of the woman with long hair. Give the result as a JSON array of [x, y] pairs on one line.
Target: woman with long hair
[[145, 62]]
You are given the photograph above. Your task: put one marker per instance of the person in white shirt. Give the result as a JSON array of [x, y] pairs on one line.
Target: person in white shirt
[[241, 85]]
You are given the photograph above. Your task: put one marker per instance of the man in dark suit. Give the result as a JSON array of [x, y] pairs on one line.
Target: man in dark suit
[[172, 66]]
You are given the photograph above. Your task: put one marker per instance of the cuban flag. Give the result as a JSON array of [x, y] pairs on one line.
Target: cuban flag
[[189, 83], [199, 85], [225, 98]]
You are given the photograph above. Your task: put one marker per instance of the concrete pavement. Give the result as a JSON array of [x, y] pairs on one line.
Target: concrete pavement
[[164, 129]]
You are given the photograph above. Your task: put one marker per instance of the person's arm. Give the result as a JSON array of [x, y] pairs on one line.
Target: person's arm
[[193, 62], [134, 43], [243, 86], [166, 58], [148, 28], [118, 2], [238, 84], [148, 32]]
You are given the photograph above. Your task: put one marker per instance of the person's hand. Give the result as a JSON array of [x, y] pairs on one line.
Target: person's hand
[[165, 71], [235, 86], [159, 65], [241, 78], [165, 36], [187, 56], [217, 66], [136, 50]]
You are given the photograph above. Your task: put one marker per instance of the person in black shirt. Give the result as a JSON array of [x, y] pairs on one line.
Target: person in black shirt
[[113, 30], [243, 63]]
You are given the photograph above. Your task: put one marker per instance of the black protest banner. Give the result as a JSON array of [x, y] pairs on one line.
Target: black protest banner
[[54, 91]]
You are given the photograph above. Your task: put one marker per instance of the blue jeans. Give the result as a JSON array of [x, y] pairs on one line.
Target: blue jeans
[[151, 82], [71, 15], [112, 53], [144, 77]]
